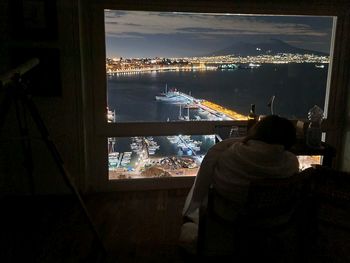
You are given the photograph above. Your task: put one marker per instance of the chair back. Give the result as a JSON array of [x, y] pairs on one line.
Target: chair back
[[325, 217], [224, 226], [271, 201], [330, 193]]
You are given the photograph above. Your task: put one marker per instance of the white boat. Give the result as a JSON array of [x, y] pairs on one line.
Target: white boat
[[319, 66], [154, 147], [197, 142], [253, 65], [173, 95], [194, 147], [173, 139], [113, 158], [181, 145], [111, 116]]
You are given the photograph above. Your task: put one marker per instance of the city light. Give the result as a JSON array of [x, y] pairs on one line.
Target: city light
[[134, 65]]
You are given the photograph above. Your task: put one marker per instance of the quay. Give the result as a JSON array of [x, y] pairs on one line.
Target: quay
[[214, 109], [220, 110]]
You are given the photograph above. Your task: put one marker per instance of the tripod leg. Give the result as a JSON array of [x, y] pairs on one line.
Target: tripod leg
[[8, 100], [26, 145], [4, 108], [59, 163]]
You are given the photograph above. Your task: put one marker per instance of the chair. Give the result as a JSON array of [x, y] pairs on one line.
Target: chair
[[254, 230], [329, 211], [330, 191]]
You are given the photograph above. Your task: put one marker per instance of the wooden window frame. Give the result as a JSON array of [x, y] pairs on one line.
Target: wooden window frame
[[92, 37]]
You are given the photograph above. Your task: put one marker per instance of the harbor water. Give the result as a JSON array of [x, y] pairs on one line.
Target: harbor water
[[297, 87], [132, 97]]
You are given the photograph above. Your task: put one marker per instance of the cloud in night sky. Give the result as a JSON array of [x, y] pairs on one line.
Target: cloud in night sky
[[147, 34]]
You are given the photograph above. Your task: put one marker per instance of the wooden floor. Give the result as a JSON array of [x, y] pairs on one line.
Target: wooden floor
[[134, 227], [140, 226]]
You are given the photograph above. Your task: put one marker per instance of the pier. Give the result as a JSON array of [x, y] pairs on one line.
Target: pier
[[220, 110], [216, 110]]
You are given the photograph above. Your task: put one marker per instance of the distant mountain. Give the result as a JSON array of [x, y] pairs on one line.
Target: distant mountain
[[272, 47]]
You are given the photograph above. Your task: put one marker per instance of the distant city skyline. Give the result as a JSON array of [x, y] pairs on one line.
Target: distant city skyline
[[169, 34]]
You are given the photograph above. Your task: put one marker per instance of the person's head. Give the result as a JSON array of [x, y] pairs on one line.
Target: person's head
[[273, 129]]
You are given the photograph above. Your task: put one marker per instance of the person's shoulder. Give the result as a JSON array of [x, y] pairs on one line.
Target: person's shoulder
[[290, 155], [292, 160], [224, 144]]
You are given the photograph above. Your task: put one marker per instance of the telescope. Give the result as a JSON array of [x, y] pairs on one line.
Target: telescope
[[7, 77]]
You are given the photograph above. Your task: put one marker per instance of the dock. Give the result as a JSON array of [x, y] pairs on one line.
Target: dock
[[217, 111]]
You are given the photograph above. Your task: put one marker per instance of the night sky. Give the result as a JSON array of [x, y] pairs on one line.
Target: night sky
[[167, 34]]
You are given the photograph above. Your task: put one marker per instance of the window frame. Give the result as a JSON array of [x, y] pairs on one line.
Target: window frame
[[94, 83]]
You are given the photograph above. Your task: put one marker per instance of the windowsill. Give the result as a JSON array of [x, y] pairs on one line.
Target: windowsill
[[155, 183]]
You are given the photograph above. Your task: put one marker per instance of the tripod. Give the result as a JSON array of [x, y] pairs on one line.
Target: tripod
[[16, 93]]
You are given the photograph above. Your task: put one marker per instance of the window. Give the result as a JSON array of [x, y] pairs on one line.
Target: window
[[160, 156], [167, 66], [106, 81], [200, 67]]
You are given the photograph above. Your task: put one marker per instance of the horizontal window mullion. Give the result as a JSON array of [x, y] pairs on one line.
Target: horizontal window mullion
[[168, 128]]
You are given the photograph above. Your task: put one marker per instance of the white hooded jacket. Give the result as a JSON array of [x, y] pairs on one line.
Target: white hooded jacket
[[231, 165]]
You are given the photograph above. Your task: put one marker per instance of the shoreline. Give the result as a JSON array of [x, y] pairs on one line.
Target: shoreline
[[207, 68]]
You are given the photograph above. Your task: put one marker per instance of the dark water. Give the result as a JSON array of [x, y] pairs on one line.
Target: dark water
[[297, 88]]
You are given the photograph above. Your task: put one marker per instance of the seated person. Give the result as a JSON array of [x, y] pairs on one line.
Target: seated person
[[231, 164]]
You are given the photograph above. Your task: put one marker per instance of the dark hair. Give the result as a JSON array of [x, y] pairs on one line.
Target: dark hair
[[273, 129]]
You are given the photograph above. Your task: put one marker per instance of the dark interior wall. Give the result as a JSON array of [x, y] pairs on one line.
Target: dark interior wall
[[60, 103], [345, 162], [136, 225], [346, 141], [52, 35], [4, 32]]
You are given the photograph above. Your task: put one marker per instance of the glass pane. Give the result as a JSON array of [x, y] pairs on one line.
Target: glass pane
[[166, 66], [306, 161], [160, 156]]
